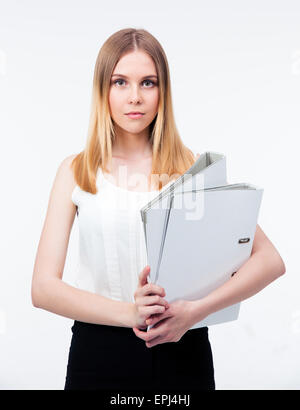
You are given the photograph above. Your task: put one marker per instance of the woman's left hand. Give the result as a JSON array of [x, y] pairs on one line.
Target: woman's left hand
[[170, 326]]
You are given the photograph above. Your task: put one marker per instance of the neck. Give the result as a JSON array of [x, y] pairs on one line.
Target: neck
[[132, 146]]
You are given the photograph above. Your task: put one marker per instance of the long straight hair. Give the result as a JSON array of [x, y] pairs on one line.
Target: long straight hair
[[170, 157]]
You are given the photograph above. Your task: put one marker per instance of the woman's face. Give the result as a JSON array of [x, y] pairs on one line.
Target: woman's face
[[134, 88]]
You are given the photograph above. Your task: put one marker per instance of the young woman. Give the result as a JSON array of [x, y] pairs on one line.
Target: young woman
[[113, 302]]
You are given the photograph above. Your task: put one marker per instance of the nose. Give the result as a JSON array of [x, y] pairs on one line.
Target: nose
[[134, 96]]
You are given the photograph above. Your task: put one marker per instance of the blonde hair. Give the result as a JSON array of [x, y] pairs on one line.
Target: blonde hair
[[169, 155]]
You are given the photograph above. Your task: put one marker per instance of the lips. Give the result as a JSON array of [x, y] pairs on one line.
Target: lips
[[134, 113], [134, 116]]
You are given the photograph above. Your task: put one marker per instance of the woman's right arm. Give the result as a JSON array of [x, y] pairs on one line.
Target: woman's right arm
[[48, 290]]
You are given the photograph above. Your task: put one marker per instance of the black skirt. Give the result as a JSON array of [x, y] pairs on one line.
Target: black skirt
[[105, 357]]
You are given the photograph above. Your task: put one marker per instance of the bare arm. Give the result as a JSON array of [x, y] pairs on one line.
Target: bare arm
[[48, 290], [263, 267]]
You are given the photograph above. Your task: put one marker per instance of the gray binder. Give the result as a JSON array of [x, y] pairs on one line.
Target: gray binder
[[202, 234], [208, 171]]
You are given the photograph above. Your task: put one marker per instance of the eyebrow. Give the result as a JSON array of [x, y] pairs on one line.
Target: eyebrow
[[146, 76]]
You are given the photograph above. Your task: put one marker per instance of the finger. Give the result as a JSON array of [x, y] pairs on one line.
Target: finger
[[152, 320], [139, 333], [147, 336], [156, 341], [143, 276], [156, 309], [152, 289], [149, 290], [153, 300], [146, 311]]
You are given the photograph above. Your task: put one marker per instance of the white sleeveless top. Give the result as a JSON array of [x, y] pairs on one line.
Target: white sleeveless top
[[112, 249]]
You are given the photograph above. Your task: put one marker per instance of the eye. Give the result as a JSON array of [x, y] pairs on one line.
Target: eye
[[145, 81], [116, 81], [149, 81]]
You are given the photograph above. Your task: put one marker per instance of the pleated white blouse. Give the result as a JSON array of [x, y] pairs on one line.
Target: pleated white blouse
[[112, 249]]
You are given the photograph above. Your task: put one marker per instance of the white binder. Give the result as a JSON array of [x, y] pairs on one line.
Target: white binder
[[202, 237], [208, 171]]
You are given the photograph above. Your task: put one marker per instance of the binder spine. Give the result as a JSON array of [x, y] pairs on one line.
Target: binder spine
[[170, 204]]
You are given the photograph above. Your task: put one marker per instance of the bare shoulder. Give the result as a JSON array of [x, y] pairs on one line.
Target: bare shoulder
[[69, 159], [62, 187], [65, 172], [66, 163]]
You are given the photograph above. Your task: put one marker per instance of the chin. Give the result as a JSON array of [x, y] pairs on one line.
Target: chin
[[135, 128]]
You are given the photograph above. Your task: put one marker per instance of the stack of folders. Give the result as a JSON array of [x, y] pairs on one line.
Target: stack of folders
[[199, 231]]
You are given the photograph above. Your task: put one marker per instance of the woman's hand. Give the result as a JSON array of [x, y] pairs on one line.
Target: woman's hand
[[169, 326], [148, 300]]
